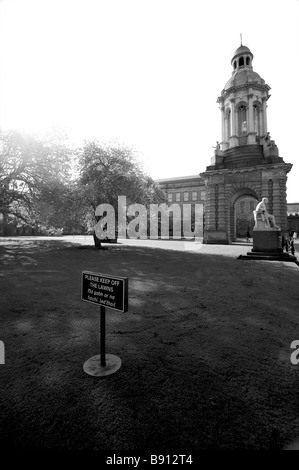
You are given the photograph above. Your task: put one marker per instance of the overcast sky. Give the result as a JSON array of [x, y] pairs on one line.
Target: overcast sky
[[147, 73]]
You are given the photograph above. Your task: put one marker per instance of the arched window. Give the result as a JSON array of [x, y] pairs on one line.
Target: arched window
[[247, 60], [242, 122], [241, 62]]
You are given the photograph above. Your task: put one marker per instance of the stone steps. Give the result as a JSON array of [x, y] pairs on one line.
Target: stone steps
[[269, 256]]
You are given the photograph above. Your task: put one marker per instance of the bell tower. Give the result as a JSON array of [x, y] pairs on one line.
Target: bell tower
[[243, 103], [246, 164]]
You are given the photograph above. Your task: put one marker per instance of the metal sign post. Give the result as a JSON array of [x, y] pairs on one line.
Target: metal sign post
[[103, 334], [105, 291]]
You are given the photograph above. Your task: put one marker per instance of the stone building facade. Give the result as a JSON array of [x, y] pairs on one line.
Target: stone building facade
[[246, 165], [184, 189]]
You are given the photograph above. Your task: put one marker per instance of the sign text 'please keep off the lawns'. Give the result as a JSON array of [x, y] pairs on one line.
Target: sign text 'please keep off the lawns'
[[105, 290]]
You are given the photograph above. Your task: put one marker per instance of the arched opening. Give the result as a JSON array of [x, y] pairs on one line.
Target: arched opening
[[247, 60], [242, 123], [243, 217], [241, 62], [235, 64], [241, 206]]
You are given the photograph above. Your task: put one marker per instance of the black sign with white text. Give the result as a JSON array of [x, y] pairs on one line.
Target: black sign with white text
[[105, 290]]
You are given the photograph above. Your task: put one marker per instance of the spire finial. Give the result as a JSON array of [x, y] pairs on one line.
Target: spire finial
[[241, 38]]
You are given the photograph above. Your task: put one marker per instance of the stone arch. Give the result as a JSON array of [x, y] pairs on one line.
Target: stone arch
[[238, 192]]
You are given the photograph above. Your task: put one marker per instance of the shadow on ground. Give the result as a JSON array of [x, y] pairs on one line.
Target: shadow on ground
[[205, 349]]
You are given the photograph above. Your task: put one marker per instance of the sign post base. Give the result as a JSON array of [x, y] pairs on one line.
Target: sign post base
[[94, 367]]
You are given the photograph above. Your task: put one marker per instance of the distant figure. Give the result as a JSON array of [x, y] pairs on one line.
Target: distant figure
[[261, 208], [295, 235], [284, 245], [291, 244], [247, 236]]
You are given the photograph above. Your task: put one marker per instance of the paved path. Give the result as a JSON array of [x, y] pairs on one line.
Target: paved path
[[177, 245], [234, 250], [192, 246]]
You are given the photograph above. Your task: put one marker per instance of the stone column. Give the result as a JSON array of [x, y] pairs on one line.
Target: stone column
[[265, 178], [224, 139], [212, 207], [221, 207], [251, 133], [233, 139], [207, 204], [215, 228], [261, 115], [250, 113], [233, 117], [280, 203], [276, 202], [270, 196], [274, 188], [225, 129], [264, 126]]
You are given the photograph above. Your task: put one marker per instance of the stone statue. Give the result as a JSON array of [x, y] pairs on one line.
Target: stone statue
[[244, 126], [217, 148], [261, 214], [268, 141]]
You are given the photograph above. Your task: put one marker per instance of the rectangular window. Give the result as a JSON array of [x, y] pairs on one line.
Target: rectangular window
[[169, 197], [194, 195], [203, 195], [186, 196], [177, 197]]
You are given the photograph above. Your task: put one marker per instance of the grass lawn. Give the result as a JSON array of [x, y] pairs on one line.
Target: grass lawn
[[205, 350]]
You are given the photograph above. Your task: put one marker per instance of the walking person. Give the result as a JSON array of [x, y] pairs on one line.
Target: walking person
[[291, 243]]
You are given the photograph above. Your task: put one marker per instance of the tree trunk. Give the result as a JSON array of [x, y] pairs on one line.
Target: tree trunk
[[97, 242]]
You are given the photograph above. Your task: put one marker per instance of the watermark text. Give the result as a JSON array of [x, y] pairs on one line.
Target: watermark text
[[156, 221], [2, 353], [295, 354]]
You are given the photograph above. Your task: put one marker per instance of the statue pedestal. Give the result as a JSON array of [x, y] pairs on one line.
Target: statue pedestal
[[267, 241], [267, 245]]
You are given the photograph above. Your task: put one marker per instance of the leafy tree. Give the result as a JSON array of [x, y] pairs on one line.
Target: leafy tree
[[107, 172], [29, 167]]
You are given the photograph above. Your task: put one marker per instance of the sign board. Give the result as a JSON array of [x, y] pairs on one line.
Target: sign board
[[105, 290]]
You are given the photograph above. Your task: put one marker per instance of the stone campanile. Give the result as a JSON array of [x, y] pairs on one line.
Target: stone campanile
[[246, 165]]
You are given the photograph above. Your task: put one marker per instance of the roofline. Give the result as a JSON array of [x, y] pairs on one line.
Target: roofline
[[178, 178]]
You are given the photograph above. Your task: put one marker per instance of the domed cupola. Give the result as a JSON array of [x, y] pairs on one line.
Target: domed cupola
[[242, 58], [243, 103]]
